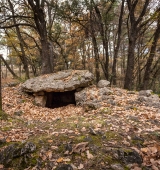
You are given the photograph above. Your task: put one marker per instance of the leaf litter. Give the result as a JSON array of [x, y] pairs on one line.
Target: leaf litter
[[89, 134]]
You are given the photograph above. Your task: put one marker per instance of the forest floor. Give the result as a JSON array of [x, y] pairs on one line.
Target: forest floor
[[115, 137]]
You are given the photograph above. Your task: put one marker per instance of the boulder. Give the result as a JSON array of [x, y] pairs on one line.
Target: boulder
[[149, 99], [92, 97], [103, 83], [61, 81], [40, 100], [14, 151], [146, 93]]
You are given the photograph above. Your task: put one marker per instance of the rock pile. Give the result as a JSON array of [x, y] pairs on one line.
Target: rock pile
[[76, 87], [149, 99]]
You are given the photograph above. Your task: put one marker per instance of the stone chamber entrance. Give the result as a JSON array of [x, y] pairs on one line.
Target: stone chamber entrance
[[59, 99]]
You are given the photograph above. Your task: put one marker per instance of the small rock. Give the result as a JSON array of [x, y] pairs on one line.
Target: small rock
[[13, 84], [29, 147], [112, 102], [40, 100], [142, 98], [130, 107], [64, 167], [129, 156], [103, 83], [131, 92], [18, 113], [146, 93], [68, 147], [88, 106], [88, 139], [117, 167], [134, 118], [2, 141], [74, 167], [92, 131], [105, 91]]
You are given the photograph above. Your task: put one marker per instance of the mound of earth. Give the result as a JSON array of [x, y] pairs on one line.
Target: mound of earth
[[122, 133]]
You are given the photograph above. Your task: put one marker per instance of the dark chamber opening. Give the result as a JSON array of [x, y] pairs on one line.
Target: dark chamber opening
[[59, 99]]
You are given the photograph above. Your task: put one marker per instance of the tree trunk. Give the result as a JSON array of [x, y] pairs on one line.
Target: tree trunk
[[0, 85], [96, 56], [148, 70], [23, 56], [10, 70], [46, 58], [135, 27], [130, 61], [39, 19], [96, 53], [105, 65], [114, 73]]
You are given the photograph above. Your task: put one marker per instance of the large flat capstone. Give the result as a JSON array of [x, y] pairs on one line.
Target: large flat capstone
[[61, 81]]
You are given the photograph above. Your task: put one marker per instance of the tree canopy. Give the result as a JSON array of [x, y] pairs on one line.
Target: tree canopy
[[115, 40]]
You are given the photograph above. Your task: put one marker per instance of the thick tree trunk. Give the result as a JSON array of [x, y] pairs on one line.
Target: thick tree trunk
[[46, 58], [135, 27], [129, 84], [39, 18]]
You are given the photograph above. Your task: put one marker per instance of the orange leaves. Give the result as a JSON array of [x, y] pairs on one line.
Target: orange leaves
[[151, 156], [149, 150], [59, 160]]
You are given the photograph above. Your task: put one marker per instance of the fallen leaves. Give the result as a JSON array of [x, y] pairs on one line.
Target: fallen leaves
[[80, 147], [81, 166], [59, 160], [151, 156], [89, 155], [150, 150], [126, 118]]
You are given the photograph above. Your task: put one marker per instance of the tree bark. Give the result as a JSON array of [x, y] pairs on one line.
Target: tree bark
[[0, 85], [105, 65], [96, 53], [114, 73], [10, 70], [148, 70], [135, 28], [39, 18], [130, 62], [23, 56]]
